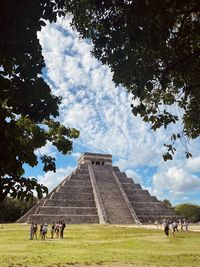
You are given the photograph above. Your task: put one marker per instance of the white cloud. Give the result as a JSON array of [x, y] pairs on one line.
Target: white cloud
[[134, 175], [52, 179], [176, 183], [76, 155], [48, 150], [193, 164]]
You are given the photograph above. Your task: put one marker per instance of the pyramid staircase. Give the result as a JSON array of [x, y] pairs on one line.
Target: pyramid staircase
[[96, 192]]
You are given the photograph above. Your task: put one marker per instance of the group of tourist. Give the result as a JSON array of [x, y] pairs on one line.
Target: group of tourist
[[57, 229], [174, 226]]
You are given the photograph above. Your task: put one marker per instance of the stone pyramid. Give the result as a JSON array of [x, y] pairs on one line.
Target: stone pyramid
[[97, 192]]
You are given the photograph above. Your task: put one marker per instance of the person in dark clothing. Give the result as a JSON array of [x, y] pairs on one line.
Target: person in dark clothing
[[35, 227], [44, 232], [166, 228], [62, 229], [52, 230], [41, 226]]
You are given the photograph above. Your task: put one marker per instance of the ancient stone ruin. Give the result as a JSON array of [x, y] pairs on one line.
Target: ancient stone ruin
[[97, 192]]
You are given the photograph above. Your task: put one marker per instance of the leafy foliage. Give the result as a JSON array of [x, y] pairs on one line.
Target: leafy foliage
[[153, 49], [189, 211], [167, 204], [27, 106]]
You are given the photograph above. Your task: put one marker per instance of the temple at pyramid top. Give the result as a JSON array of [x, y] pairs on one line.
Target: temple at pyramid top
[[98, 192], [95, 159]]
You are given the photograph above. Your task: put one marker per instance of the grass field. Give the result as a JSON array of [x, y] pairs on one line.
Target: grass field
[[83, 245]]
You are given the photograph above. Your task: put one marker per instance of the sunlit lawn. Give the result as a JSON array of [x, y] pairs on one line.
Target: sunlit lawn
[[97, 244]]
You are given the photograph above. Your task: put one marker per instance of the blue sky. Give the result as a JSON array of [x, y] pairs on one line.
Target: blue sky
[[101, 111]]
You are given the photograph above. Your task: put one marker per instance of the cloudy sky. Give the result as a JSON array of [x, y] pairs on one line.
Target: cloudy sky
[[92, 104]]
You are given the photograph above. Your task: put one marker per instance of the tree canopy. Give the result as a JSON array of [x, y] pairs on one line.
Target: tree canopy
[[27, 106], [167, 204], [189, 211], [12, 209], [153, 49]]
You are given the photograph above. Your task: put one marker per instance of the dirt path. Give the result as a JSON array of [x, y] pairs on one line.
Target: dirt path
[[191, 227]]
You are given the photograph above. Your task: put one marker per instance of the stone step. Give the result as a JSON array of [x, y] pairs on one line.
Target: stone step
[[127, 185], [72, 219], [68, 196], [84, 177], [132, 186], [82, 172], [75, 189], [122, 175], [153, 212], [136, 186], [82, 167], [140, 198], [148, 205], [70, 203], [133, 189], [137, 192], [125, 180], [67, 210], [79, 183]]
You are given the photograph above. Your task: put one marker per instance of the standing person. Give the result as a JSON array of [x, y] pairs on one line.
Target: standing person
[[41, 226], [35, 230], [52, 230], [44, 231], [31, 231], [174, 228], [181, 224], [62, 229], [186, 225], [57, 229], [166, 227]]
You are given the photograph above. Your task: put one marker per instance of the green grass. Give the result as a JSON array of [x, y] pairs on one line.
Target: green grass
[[97, 244]]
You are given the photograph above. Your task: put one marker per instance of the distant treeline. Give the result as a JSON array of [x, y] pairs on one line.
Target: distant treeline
[[11, 209], [189, 211]]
